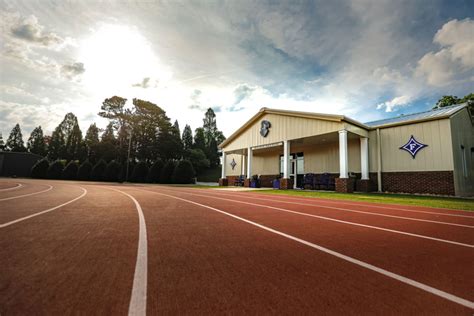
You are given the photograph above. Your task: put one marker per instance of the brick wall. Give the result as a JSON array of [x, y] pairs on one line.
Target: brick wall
[[431, 182], [266, 180]]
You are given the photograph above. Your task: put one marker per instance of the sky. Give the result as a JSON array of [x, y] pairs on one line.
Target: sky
[[364, 59]]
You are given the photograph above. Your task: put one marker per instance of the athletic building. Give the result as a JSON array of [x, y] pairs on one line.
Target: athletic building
[[430, 152]]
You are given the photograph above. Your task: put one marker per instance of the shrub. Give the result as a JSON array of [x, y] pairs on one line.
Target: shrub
[[70, 172], [84, 172], [140, 172], [155, 171], [167, 171], [183, 172], [40, 169], [98, 171], [55, 170], [113, 172]]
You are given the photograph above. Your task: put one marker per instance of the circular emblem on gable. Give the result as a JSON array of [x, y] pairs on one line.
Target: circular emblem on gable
[[265, 128]]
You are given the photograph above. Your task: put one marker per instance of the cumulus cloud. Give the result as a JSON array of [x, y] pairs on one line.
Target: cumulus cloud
[[395, 103], [73, 70], [28, 29], [242, 92], [455, 60]]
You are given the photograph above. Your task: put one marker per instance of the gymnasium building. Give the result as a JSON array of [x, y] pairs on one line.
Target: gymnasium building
[[430, 152]]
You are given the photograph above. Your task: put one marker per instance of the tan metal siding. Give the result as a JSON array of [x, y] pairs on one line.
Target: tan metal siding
[[283, 128], [238, 167], [462, 132]]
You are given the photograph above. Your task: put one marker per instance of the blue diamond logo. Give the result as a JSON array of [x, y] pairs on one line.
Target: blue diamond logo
[[233, 164], [413, 146]]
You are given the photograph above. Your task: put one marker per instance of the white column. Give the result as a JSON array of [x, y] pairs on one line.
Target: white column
[[343, 157], [224, 163], [364, 158], [242, 165], [286, 159], [249, 162]]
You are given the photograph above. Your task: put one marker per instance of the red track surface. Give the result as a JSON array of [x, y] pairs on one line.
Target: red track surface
[[205, 258]]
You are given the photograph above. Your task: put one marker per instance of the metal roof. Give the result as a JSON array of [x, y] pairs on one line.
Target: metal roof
[[421, 116]]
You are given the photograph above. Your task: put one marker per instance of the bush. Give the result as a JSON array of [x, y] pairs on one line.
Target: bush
[[55, 170], [183, 173], [113, 172], [140, 172], [155, 171], [40, 169], [98, 171], [167, 171], [70, 172], [84, 172]]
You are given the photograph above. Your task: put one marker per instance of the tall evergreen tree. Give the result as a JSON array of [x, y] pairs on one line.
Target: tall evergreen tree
[[200, 139], [57, 145], [2, 143], [187, 137], [107, 147], [15, 140], [114, 109], [36, 143], [74, 146], [209, 126], [92, 141]]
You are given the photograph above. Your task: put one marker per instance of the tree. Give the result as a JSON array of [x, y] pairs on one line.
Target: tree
[[57, 145], [2, 143], [40, 169], [70, 172], [84, 172], [167, 172], [155, 171], [74, 146], [183, 173], [107, 147], [209, 126], [98, 171], [140, 172], [113, 171], [199, 139], [198, 159], [55, 170], [468, 98], [92, 141], [114, 110], [446, 100], [67, 125], [15, 140], [187, 137], [36, 143]]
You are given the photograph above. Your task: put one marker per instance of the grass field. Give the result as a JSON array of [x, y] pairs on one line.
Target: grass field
[[417, 200]]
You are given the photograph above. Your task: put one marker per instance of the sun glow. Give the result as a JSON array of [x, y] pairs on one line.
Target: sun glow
[[116, 57]]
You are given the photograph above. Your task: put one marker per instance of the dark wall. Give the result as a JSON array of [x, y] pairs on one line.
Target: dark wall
[[17, 164]]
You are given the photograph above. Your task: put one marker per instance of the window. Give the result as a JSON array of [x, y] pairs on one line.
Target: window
[[464, 161]]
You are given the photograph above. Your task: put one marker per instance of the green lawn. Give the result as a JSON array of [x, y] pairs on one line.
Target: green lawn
[[430, 201]]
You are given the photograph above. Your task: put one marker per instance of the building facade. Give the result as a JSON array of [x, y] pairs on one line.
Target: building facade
[[430, 152]]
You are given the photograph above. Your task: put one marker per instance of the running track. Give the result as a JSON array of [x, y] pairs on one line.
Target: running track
[[98, 248]]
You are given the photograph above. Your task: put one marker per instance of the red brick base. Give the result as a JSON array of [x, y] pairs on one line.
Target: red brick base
[[363, 185], [428, 182], [286, 184], [266, 181], [247, 183], [223, 182], [344, 185]]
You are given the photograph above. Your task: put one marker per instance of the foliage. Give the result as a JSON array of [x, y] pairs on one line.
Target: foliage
[[198, 159], [55, 170], [447, 100], [114, 110], [36, 143], [183, 173], [70, 172], [199, 139], [113, 172], [209, 175], [187, 138], [155, 171], [15, 140], [167, 172], [140, 172], [98, 171], [108, 144], [74, 145], [84, 172], [57, 145], [92, 141], [2, 143], [40, 169]]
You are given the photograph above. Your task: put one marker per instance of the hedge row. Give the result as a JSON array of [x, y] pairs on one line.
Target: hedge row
[[181, 172]]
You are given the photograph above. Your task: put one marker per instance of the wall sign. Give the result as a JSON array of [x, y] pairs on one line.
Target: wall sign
[[265, 128], [233, 163], [413, 146]]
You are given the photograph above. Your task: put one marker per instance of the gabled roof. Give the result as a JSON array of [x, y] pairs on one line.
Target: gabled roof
[[311, 115], [433, 114]]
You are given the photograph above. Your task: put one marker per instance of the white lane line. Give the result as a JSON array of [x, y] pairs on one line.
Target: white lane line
[[18, 185], [45, 211], [138, 300], [337, 220], [29, 194], [363, 264], [355, 211], [379, 206]]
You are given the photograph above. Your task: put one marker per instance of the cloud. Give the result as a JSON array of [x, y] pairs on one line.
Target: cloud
[[455, 60], [395, 103], [30, 30], [73, 70], [242, 92], [144, 84]]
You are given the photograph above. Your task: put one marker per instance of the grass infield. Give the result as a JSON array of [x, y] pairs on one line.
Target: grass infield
[[402, 199]]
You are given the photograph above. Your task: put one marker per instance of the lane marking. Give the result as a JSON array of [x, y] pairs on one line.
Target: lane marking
[[338, 220], [18, 185], [363, 264], [29, 194], [45, 211], [354, 211], [138, 299], [376, 206]]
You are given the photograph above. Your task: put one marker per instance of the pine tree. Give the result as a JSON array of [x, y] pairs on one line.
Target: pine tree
[[57, 145], [36, 143], [200, 139], [2, 143], [92, 141], [187, 137], [74, 143], [15, 140]]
